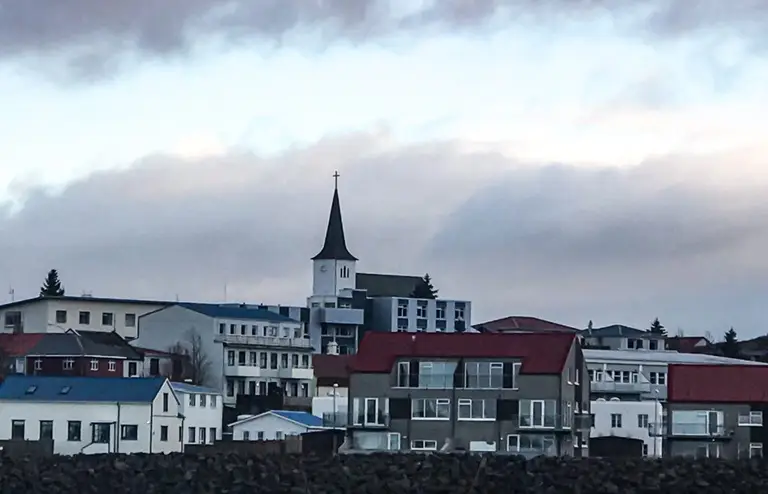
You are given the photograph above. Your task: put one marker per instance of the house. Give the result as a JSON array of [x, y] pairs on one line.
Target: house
[[13, 351], [619, 337], [50, 314], [331, 374], [688, 344], [163, 363], [245, 350], [627, 419], [202, 410], [91, 415], [523, 324], [716, 411], [274, 425], [515, 393]]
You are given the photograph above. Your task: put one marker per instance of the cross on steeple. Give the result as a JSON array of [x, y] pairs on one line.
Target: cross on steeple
[[336, 179]]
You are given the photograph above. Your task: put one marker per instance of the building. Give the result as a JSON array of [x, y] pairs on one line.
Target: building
[[411, 314], [688, 344], [632, 375], [202, 410], [628, 419], [57, 314], [618, 337], [331, 374], [716, 411], [274, 425], [516, 393], [523, 324], [164, 363], [245, 350], [91, 415]]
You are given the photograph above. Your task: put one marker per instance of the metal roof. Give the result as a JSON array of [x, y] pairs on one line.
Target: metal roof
[[81, 389], [660, 357], [192, 389], [236, 312]]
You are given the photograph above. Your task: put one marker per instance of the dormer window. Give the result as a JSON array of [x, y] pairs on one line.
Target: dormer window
[[30, 390]]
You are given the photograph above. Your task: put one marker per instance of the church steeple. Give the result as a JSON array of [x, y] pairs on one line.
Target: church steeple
[[335, 246]]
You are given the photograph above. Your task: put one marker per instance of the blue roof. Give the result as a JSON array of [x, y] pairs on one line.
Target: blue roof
[[67, 389], [236, 312], [192, 389], [304, 418]]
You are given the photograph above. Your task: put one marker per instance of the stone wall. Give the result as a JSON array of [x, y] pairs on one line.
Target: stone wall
[[238, 472]]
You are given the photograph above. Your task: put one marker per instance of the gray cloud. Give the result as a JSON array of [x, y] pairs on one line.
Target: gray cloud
[[563, 242], [89, 35]]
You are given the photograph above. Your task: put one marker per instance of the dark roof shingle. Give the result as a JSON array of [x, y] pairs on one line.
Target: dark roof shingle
[[85, 343], [541, 353], [717, 384], [386, 285], [330, 369]]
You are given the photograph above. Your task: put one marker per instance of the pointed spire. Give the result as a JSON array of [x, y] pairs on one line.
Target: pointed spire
[[335, 246]]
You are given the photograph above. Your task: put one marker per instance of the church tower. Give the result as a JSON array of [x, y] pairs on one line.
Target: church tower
[[334, 267]]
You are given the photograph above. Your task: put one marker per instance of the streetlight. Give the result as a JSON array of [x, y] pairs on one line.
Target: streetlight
[[335, 388], [656, 420]]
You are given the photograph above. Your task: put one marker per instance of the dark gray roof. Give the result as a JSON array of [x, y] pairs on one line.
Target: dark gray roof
[[335, 246], [85, 343], [386, 285], [617, 330], [70, 298]]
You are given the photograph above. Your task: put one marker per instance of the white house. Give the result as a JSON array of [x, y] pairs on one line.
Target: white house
[[248, 350], [92, 415], [628, 419], [202, 409], [274, 425]]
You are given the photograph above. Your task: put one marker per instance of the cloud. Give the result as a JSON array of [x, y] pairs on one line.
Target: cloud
[[89, 36], [679, 237]]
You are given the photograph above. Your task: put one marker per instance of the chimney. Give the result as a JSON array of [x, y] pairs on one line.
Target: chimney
[[333, 348]]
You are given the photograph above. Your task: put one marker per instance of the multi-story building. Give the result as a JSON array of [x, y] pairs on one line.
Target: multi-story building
[[202, 409], [245, 351], [411, 314], [58, 314], [520, 393], [716, 411], [618, 337], [628, 419]]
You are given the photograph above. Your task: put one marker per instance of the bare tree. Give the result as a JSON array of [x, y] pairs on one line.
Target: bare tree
[[196, 364]]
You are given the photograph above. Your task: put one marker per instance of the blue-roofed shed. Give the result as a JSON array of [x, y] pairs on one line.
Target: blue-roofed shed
[[275, 424], [80, 389]]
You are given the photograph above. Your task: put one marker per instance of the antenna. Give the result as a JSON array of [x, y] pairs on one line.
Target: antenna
[[225, 292], [12, 293]]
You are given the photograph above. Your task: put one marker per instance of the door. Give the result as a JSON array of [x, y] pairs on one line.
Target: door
[[537, 413], [393, 441], [513, 443], [132, 369], [371, 411], [713, 423]]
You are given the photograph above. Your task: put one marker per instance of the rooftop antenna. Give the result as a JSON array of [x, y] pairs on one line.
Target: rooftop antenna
[[12, 293], [225, 292]]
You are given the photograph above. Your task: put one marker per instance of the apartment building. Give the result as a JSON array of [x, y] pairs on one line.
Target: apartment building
[[248, 351], [619, 337], [419, 315], [628, 419], [716, 411], [518, 394]]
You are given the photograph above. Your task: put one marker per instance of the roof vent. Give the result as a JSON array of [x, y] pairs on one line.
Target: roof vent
[[31, 390], [65, 390]]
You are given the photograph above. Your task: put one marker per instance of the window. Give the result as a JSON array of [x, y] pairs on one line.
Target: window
[[459, 313], [284, 361], [642, 420], [201, 433], [254, 330], [756, 450], [436, 375], [273, 361], [697, 423], [230, 387], [476, 410], [616, 420], [440, 311], [202, 400], [17, 429], [129, 432], [242, 358], [212, 435], [537, 443], [424, 445], [513, 442], [484, 375], [133, 369], [538, 413], [165, 402], [46, 429], [653, 344], [430, 409], [84, 317], [279, 435], [402, 308], [191, 434], [13, 319], [163, 433], [68, 364], [107, 319], [421, 309], [294, 360], [305, 361], [212, 401], [658, 378], [74, 430], [402, 324], [191, 400], [751, 419], [94, 365], [231, 358], [100, 433], [246, 435], [38, 364], [645, 449], [154, 367], [112, 366], [243, 329], [61, 317], [344, 272], [260, 435], [130, 320]]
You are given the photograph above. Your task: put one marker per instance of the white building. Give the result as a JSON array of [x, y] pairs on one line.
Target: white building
[[274, 425], [58, 314], [92, 415], [248, 350], [410, 314], [628, 419], [202, 409]]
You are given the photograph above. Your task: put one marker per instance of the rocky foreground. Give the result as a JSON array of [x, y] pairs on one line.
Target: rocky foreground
[[376, 474]]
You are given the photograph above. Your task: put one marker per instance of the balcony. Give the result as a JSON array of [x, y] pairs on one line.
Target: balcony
[[242, 371], [296, 373], [342, 316], [338, 419], [370, 419], [264, 341], [700, 430], [619, 387], [552, 422]]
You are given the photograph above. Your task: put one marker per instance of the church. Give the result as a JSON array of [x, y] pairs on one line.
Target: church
[[345, 304]]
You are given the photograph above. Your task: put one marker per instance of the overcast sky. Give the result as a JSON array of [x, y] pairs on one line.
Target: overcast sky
[[570, 160]]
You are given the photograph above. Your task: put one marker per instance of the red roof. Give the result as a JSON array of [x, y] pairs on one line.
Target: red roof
[[331, 366], [717, 383], [541, 353], [523, 323], [19, 344]]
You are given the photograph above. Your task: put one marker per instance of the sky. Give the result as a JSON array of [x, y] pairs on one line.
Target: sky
[[571, 160]]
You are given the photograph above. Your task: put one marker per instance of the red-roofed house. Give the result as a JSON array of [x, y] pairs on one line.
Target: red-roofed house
[[523, 324], [13, 350], [515, 393], [716, 411]]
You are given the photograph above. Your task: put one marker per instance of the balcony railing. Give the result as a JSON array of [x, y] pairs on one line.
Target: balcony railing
[[370, 419], [338, 419], [693, 430], [269, 341], [619, 387], [465, 380]]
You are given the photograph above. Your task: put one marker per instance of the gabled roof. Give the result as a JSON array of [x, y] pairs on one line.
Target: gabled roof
[[85, 343], [618, 330], [523, 324], [386, 285], [687, 344], [81, 389], [192, 389], [19, 344], [70, 298], [335, 245], [305, 419], [330, 369], [717, 384], [236, 312], [541, 353]]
